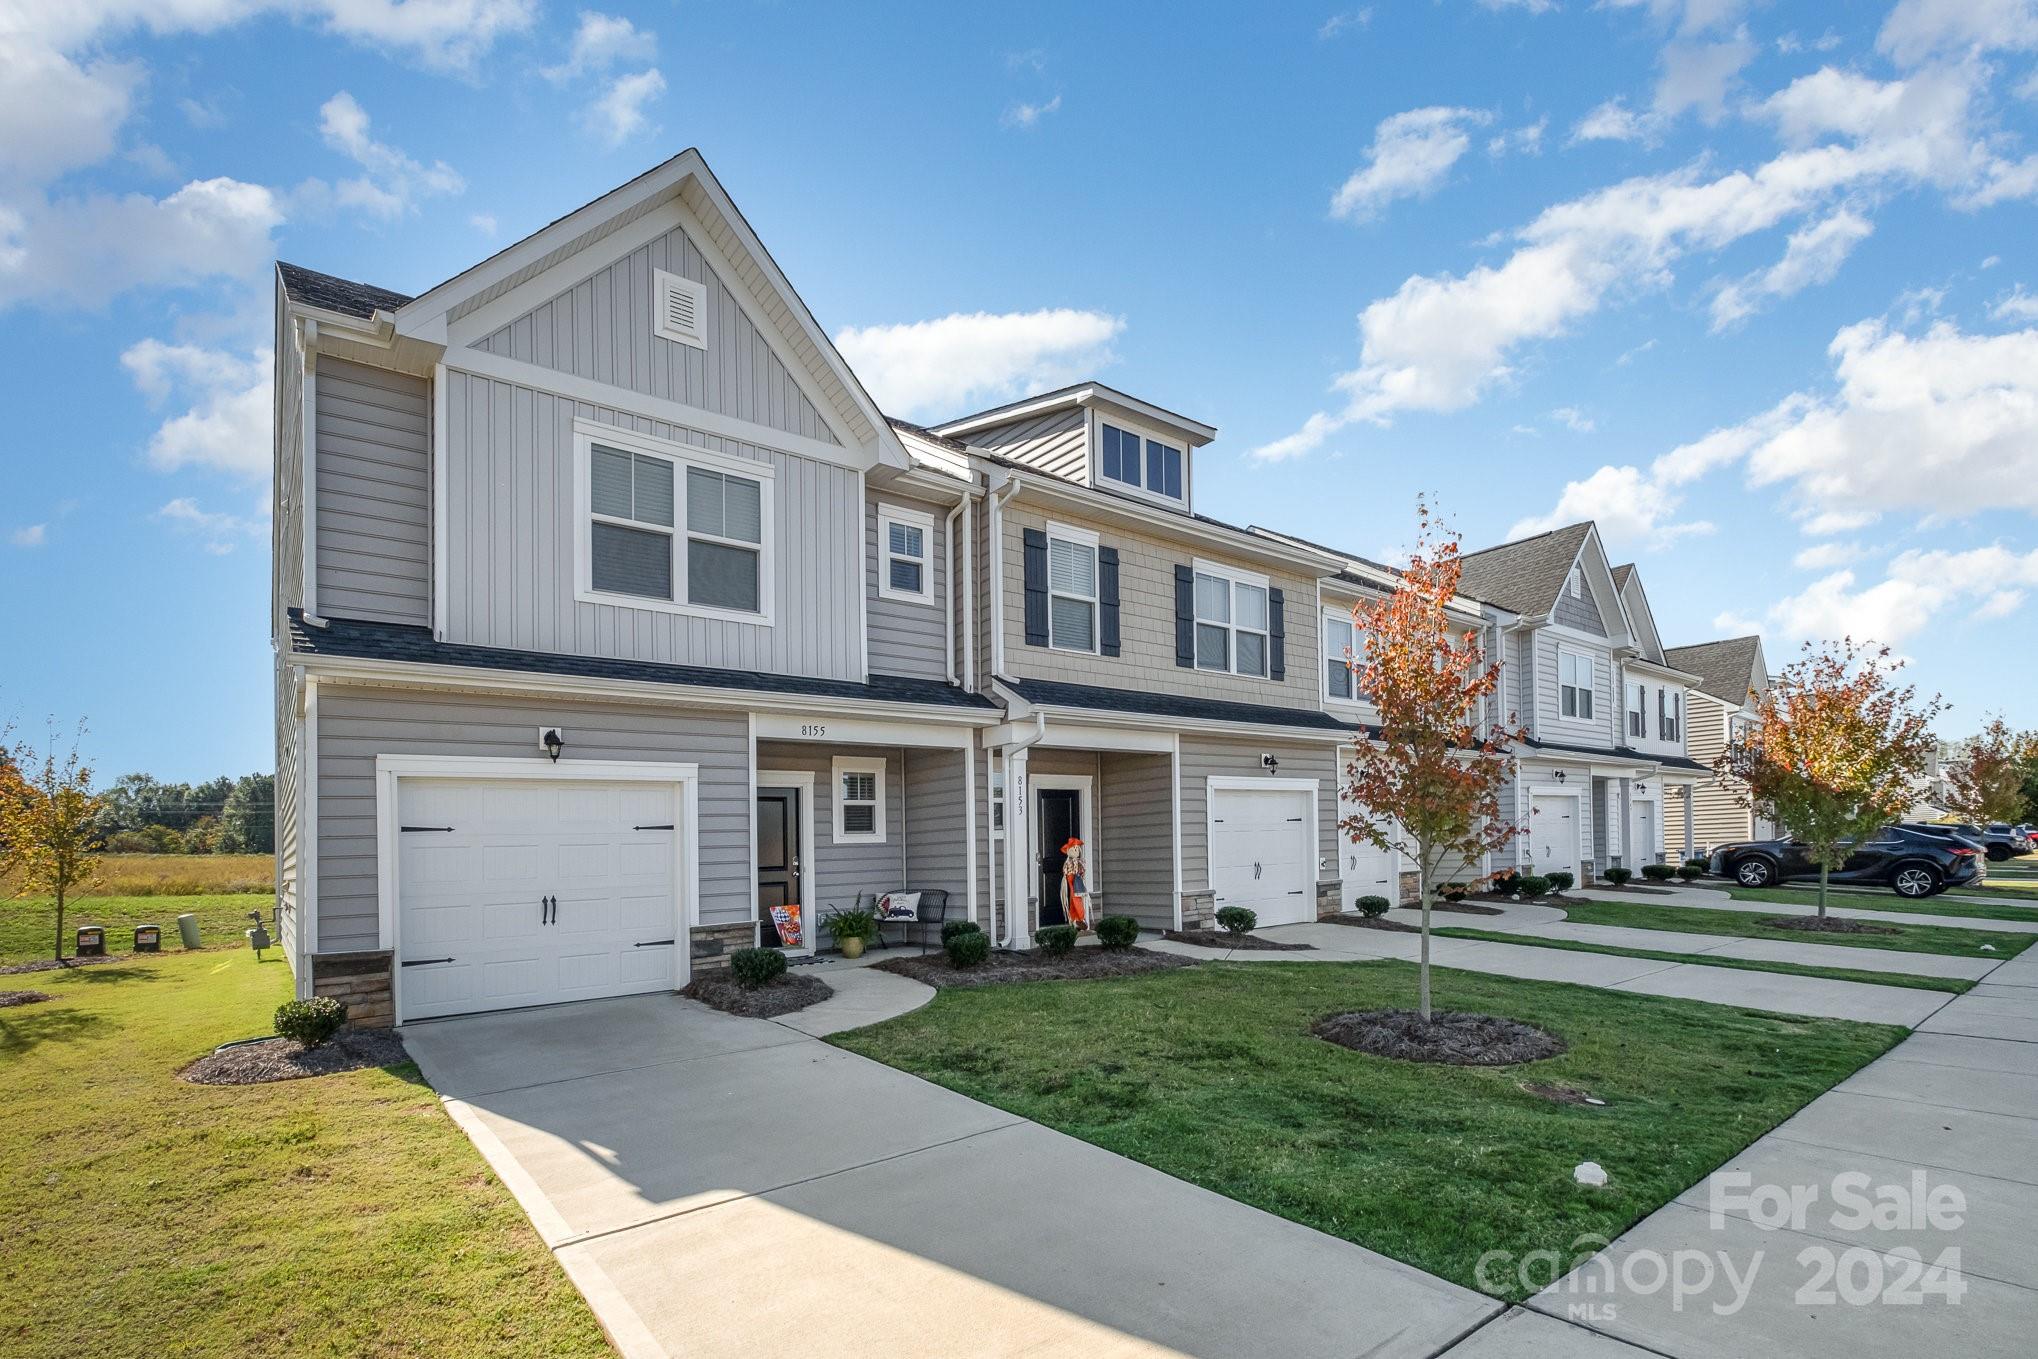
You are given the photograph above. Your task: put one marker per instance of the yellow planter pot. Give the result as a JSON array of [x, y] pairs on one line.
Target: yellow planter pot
[[851, 948]]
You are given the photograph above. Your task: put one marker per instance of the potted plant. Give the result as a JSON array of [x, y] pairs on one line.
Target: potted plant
[[853, 927]]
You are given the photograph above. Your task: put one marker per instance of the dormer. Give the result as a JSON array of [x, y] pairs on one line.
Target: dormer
[[1094, 436]]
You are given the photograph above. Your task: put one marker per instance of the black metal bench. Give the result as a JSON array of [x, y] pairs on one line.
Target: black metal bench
[[933, 911]]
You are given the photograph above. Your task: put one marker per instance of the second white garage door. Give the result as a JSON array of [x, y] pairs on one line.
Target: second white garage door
[[1263, 852], [525, 892]]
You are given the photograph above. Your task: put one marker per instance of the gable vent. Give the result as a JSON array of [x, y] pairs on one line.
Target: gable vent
[[682, 310]]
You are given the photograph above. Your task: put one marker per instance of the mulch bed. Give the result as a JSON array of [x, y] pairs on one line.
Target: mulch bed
[[9, 999], [51, 964], [1371, 922], [285, 1059], [780, 996], [1811, 924], [1463, 908], [1034, 965], [1451, 1037], [1226, 939]]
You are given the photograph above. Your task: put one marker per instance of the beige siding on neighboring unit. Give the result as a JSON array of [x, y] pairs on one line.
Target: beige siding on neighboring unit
[[602, 328], [373, 448], [1055, 443], [1718, 818], [906, 635], [1204, 756]]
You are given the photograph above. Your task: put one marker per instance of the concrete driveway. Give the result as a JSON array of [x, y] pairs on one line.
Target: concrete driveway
[[728, 1186]]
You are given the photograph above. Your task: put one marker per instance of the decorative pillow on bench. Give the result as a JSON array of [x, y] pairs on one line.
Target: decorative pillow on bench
[[898, 906]]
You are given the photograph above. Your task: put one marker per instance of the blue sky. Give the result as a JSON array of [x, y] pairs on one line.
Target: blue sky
[[1753, 284]]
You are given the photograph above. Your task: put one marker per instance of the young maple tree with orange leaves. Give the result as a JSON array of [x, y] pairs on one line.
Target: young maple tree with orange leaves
[[1429, 781], [1836, 749], [1989, 784]]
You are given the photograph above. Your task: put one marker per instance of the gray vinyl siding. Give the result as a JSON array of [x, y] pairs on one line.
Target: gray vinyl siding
[[937, 840], [1055, 443], [511, 544], [905, 636], [1552, 725], [841, 871], [1134, 821], [602, 329], [1203, 756], [357, 724], [1577, 779], [1581, 613], [289, 753], [286, 535], [373, 448], [1146, 592]]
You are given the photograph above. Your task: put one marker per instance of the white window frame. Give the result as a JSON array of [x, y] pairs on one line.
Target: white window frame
[[1340, 618], [1083, 538], [1146, 435], [664, 283], [887, 515], [1234, 577], [1638, 709], [1590, 688], [588, 433], [859, 764]]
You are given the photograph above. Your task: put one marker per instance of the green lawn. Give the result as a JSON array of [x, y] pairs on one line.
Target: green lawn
[[1889, 901], [1748, 925], [2000, 886], [1852, 974], [28, 925], [343, 1216], [1211, 1074]]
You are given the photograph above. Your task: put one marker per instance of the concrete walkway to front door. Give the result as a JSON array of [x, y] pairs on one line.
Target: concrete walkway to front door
[[722, 1186]]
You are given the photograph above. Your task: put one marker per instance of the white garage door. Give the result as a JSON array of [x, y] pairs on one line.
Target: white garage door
[[1263, 852], [1553, 835], [1367, 870], [530, 891]]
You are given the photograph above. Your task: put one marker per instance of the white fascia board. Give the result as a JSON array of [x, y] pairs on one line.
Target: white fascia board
[[1083, 395], [1666, 671]]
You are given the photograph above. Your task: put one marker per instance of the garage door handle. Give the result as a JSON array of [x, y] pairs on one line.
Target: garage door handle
[[425, 828], [664, 827], [655, 943], [423, 962]]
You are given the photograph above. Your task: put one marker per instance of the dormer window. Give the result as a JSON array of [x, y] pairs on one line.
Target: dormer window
[[1131, 460]]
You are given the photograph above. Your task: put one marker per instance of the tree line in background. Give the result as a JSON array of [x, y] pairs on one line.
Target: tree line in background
[[141, 814]]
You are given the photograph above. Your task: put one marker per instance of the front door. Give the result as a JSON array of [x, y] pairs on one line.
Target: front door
[[1061, 819], [778, 865]]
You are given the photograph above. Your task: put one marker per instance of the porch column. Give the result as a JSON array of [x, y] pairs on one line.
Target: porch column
[[1018, 852], [1690, 820], [969, 822]]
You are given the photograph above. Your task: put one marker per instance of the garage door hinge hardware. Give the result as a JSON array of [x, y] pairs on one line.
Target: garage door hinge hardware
[[656, 943], [666, 827], [424, 962], [427, 828]]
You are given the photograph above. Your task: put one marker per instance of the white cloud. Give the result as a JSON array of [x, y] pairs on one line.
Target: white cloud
[[619, 114], [483, 222], [1826, 556], [2018, 306], [1917, 30], [1411, 154], [84, 250], [1023, 115], [939, 367], [1790, 44], [1813, 255], [603, 41], [1339, 24], [1573, 419], [1916, 590], [59, 115], [447, 34], [394, 181], [1629, 506], [227, 425], [220, 533], [1697, 76], [1532, 6], [1613, 121], [29, 535], [1527, 139]]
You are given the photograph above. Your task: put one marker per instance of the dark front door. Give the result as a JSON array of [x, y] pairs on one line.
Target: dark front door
[[1060, 815], [778, 861]]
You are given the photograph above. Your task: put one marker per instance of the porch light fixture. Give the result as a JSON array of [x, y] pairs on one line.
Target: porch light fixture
[[1560, 775], [551, 742]]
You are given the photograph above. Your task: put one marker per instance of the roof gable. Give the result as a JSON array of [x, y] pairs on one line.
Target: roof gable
[[1728, 670], [1526, 577], [1641, 618]]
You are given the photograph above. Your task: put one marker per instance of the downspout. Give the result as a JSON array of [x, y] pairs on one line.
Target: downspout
[[997, 527], [969, 590], [948, 589], [1015, 798]]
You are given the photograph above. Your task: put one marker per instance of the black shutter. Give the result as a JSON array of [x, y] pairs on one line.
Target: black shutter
[[1277, 635], [1036, 587], [1185, 616], [1107, 600]]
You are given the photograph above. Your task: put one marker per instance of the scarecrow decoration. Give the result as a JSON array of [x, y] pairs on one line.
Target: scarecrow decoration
[[1074, 891]]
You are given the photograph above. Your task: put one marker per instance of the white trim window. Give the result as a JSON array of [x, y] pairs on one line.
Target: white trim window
[[1231, 621], [1344, 658], [1574, 684], [1130, 460], [1071, 589], [1669, 713], [1638, 710], [859, 800], [997, 804], [905, 547], [671, 527]]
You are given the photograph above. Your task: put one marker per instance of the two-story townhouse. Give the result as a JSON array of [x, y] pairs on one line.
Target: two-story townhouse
[[1604, 763], [1732, 676]]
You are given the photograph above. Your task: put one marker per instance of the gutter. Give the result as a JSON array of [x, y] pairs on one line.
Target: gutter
[[948, 590], [1006, 492]]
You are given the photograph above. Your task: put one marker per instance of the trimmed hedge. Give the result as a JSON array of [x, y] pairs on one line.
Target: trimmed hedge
[[1055, 940], [1370, 906], [968, 948], [1237, 919], [951, 928], [1532, 885], [1690, 872], [310, 1022], [1618, 876], [1658, 872], [1117, 931], [1561, 881], [753, 967]]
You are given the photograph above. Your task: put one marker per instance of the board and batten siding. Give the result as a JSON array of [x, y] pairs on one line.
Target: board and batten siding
[[356, 724], [1056, 443], [372, 436], [1203, 756], [905, 635], [511, 542], [602, 328], [1146, 620]]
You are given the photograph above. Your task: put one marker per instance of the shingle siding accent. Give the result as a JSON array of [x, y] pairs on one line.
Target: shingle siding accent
[[1581, 612], [372, 438]]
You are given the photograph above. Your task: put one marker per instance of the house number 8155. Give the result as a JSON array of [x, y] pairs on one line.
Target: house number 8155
[[813, 729]]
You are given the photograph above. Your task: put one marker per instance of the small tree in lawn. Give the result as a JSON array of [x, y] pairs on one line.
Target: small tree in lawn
[[1835, 750], [1990, 785], [48, 826], [1429, 784]]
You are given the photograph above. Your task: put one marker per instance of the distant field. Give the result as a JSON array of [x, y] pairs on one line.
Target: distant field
[[178, 875]]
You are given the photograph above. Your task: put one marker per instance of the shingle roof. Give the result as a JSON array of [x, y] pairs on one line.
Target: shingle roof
[[1621, 574], [1525, 577], [1724, 668], [1618, 752], [356, 639], [1048, 693], [342, 295]]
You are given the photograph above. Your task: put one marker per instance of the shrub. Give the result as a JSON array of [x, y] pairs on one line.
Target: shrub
[[1370, 906], [1700, 864], [1561, 881], [1690, 872], [1117, 931], [1531, 885], [968, 948], [1055, 940], [951, 928], [1658, 872], [1618, 876], [310, 1022], [753, 967], [1505, 883], [1455, 892], [1237, 919]]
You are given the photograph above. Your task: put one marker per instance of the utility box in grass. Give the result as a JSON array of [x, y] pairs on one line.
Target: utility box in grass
[[91, 941], [187, 930], [148, 938]]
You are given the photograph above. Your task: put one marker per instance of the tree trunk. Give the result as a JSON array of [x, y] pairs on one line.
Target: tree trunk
[[1823, 870], [1422, 895], [60, 922]]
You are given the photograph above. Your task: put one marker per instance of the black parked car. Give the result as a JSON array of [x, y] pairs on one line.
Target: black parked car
[[1909, 861], [2004, 841]]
